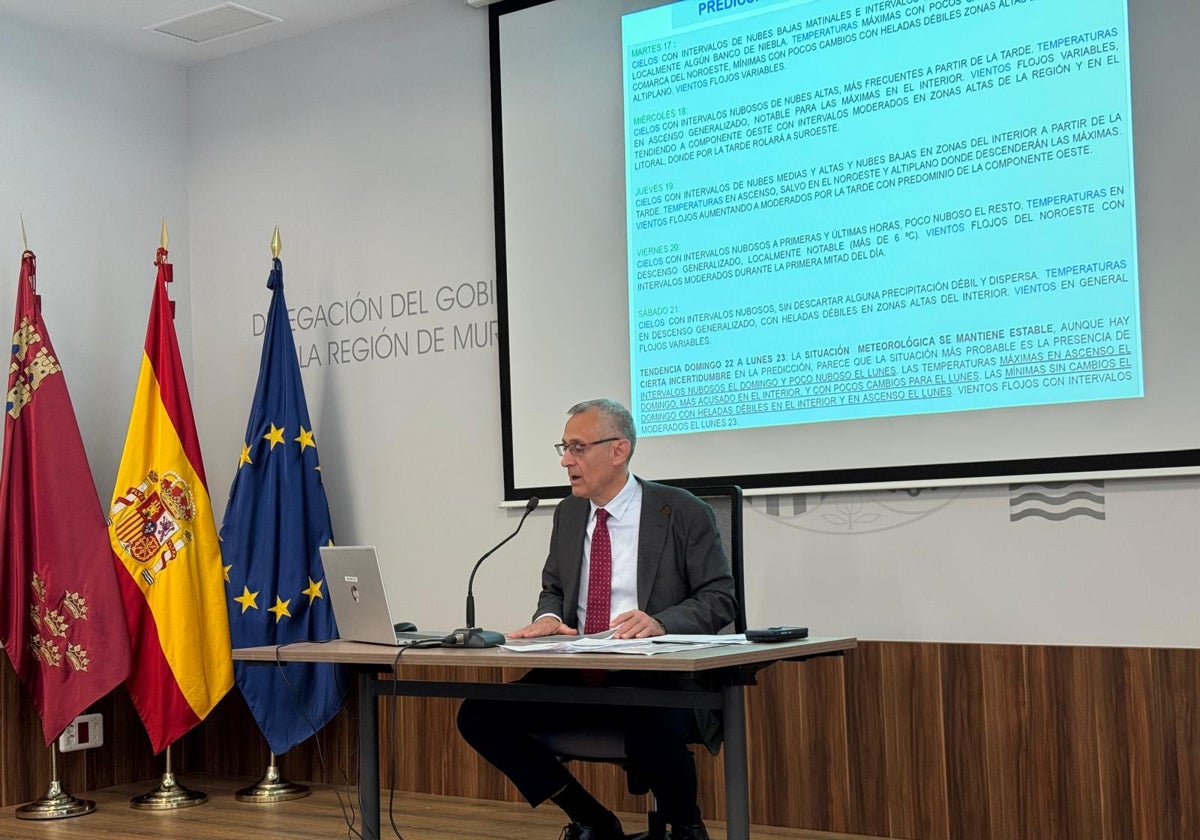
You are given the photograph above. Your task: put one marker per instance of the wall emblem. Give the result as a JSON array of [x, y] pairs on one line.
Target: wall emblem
[[854, 513], [1056, 500]]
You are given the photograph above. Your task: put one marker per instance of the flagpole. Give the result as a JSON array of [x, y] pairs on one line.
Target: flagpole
[[56, 804], [34, 527], [170, 793], [273, 787]]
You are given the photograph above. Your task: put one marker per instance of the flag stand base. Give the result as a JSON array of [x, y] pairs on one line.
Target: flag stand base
[[55, 805], [272, 788], [169, 794]]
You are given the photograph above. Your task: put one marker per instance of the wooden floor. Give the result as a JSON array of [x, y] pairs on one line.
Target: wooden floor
[[320, 817]]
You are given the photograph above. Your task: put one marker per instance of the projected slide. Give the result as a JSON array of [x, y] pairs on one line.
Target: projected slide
[[843, 210]]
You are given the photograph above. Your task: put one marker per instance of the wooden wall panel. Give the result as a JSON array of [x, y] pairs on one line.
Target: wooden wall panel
[[20, 736], [867, 760], [914, 738], [1004, 719], [1147, 768], [1177, 695], [426, 727], [1110, 675], [810, 779], [966, 745], [920, 741], [126, 754], [1064, 769]]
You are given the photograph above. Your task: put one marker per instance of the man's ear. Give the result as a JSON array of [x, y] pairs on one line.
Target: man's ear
[[621, 451]]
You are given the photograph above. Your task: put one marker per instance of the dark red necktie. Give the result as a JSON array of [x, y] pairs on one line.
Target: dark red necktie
[[599, 595]]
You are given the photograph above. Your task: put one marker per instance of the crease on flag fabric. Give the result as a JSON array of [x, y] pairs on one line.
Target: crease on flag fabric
[[276, 520], [61, 617], [168, 557]]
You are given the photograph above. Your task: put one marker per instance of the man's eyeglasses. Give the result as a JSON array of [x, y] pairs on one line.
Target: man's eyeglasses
[[578, 449]]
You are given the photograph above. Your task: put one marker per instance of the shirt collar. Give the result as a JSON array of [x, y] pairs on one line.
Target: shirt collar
[[619, 504]]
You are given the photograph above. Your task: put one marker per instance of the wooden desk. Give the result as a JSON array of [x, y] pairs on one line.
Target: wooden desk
[[733, 667]]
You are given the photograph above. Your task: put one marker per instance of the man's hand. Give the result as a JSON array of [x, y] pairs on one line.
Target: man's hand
[[547, 625], [636, 624]]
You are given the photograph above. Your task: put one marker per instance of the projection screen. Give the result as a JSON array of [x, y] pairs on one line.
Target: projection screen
[[829, 244]]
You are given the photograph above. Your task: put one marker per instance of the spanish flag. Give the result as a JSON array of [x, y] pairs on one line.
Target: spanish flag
[[168, 558]]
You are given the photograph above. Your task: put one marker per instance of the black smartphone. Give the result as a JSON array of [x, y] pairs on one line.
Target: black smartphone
[[776, 634]]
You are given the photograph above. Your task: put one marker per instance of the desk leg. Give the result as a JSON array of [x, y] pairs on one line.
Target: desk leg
[[737, 788], [368, 756]]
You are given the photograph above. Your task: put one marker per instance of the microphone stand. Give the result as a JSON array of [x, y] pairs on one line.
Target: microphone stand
[[472, 636]]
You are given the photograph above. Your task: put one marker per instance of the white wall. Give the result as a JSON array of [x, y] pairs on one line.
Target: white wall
[[93, 152], [369, 145], [952, 565]]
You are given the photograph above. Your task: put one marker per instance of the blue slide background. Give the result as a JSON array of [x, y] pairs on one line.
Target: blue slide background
[[844, 211]]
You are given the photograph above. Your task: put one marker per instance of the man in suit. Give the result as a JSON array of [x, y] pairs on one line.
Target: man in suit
[[642, 559]]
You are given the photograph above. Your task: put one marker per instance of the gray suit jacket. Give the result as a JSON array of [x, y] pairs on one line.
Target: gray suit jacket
[[683, 575]]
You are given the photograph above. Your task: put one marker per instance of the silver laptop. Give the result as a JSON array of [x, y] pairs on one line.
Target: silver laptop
[[359, 600]]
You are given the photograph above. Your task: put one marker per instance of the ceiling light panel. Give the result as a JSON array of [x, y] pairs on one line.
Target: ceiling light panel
[[210, 24]]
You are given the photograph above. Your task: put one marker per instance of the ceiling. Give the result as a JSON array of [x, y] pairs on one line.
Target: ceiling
[[123, 23]]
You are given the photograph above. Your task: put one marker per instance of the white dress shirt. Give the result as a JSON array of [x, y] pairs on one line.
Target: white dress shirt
[[624, 526]]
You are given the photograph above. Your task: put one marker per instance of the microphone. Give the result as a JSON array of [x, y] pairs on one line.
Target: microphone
[[472, 636]]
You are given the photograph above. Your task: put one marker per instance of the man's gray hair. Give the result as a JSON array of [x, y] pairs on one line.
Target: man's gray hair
[[617, 415]]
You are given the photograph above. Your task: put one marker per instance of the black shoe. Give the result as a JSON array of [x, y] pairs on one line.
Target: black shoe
[[612, 831], [696, 831]]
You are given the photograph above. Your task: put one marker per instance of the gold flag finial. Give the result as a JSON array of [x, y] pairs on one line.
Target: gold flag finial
[[24, 238], [164, 239], [276, 243]]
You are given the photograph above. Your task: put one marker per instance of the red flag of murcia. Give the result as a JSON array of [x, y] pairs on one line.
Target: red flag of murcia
[[61, 616]]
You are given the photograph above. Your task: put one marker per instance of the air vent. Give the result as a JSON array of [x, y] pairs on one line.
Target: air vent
[[210, 24]]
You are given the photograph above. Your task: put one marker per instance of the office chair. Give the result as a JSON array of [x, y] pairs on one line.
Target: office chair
[[608, 745]]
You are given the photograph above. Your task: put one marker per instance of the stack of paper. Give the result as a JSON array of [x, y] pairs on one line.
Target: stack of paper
[[605, 643]]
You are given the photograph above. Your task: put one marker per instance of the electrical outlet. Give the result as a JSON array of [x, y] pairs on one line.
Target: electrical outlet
[[83, 733]]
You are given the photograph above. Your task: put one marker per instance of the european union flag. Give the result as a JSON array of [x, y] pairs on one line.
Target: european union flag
[[276, 520]]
